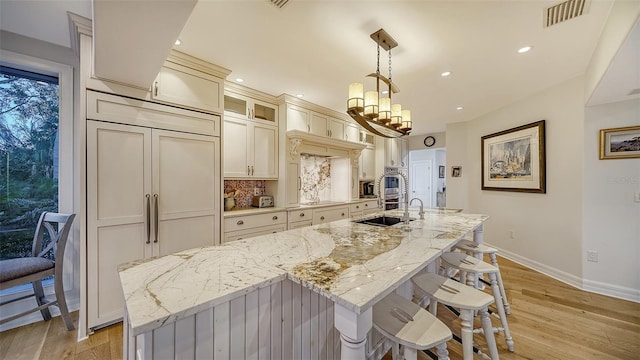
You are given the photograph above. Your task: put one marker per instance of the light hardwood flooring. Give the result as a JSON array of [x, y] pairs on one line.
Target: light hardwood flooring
[[549, 320]]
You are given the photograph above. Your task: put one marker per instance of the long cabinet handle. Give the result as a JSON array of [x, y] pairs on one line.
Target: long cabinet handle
[[155, 89], [248, 170], [148, 218], [251, 170], [155, 200], [299, 183]]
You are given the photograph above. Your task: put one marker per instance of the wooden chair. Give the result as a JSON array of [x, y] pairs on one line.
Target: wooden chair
[[39, 266]]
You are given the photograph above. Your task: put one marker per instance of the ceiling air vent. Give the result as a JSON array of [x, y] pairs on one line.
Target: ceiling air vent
[[279, 3], [565, 11]]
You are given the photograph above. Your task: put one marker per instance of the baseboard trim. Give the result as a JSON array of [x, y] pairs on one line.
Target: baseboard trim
[[597, 287]]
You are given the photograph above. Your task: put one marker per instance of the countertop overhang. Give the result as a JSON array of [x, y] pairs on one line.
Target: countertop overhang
[[352, 264]]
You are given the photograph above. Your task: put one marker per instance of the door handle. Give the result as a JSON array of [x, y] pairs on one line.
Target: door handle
[[301, 214], [148, 218], [251, 169], [240, 222], [155, 199], [274, 217], [248, 170], [321, 217], [155, 89]]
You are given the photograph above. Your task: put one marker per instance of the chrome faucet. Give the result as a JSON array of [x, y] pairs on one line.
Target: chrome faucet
[[387, 172], [421, 212]]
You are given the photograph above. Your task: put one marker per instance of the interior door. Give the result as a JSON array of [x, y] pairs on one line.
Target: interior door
[[420, 180], [185, 190], [118, 182]]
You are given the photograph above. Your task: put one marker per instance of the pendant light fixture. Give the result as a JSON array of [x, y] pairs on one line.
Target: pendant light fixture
[[374, 113]]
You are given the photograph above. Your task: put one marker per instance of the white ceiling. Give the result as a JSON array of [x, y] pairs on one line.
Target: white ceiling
[[317, 48]]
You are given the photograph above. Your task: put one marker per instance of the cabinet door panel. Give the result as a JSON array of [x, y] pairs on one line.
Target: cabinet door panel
[[293, 184], [197, 90], [185, 233], [186, 179], [236, 134], [118, 178], [115, 245], [319, 124], [297, 119], [264, 152]]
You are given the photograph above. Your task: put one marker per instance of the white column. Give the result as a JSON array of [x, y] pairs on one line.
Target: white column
[[353, 330]]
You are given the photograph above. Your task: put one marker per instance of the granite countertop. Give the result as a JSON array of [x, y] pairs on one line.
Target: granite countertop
[[353, 264]]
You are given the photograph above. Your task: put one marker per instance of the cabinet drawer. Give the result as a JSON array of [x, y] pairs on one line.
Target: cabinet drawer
[[330, 214], [249, 233], [299, 215], [253, 221]]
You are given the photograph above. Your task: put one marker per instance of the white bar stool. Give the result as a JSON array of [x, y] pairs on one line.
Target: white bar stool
[[410, 327], [472, 248], [443, 290], [471, 265]]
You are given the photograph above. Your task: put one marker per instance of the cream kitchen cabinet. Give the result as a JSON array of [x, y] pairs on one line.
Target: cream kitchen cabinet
[[363, 208], [328, 214], [396, 154], [299, 118], [299, 218], [142, 204], [246, 226], [150, 191], [368, 164], [351, 132], [250, 149], [181, 85], [336, 129], [247, 108]]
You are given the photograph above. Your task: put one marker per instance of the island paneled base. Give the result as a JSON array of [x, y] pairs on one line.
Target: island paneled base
[[282, 321]]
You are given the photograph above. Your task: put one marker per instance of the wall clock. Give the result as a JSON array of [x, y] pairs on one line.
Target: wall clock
[[429, 141]]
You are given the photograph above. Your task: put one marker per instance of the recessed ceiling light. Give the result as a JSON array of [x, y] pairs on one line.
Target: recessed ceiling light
[[459, 108], [524, 49], [300, 96], [446, 73], [178, 42], [239, 80]]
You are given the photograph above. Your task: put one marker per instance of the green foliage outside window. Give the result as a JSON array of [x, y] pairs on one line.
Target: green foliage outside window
[[28, 158]]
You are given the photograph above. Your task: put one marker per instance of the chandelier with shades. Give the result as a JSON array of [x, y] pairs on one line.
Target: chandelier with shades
[[373, 110]]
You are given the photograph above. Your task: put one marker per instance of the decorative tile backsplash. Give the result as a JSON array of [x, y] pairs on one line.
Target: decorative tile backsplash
[[247, 190], [315, 179]]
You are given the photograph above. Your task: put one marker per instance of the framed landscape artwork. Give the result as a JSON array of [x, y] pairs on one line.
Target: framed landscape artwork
[[620, 143], [514, 159], [456, 171]]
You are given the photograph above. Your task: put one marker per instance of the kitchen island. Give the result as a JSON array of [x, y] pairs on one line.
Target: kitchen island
[[282, 295]]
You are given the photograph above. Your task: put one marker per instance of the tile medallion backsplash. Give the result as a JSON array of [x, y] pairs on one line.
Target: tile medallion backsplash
[[246, 190], [315, 179]]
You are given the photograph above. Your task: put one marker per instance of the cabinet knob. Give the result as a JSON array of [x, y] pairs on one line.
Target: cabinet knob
[[301, 214], [366, 205], [357, 206], [274, 217], [321, 217], [240, 222], [342, 214]]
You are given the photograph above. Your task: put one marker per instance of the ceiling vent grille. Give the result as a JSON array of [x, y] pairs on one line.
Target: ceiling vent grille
[[565, 11], [279, 3]]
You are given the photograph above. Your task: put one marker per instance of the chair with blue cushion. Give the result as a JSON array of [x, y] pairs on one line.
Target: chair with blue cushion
[[46, 260]]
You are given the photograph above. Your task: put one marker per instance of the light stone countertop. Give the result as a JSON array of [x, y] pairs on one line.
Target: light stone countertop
[[352, 264]]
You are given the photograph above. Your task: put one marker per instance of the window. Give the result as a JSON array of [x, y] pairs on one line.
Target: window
[[29, 121], [36, 157]]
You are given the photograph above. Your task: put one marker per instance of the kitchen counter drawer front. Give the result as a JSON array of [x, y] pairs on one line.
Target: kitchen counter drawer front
[[253, 221], [253, 232], [299, 215], [369, 206], [330, 214]]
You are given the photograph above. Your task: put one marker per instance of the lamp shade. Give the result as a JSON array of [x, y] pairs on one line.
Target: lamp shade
[[356, 97], [371, 104], [396, 115], [406, 120], [384, 115]]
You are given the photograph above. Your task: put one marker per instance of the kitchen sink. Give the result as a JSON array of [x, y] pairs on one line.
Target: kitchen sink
[[381, 220]]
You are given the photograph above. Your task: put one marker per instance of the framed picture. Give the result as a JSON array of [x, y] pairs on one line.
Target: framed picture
[[620, 143], [456, 171], [514, 159], [441, 172]]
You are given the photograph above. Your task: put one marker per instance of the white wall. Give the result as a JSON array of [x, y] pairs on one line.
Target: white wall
[[611, 217], [547, 228]]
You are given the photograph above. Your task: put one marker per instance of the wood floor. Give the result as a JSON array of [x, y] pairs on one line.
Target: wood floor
[[550, 320]]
